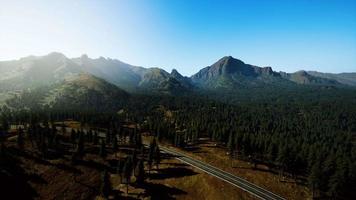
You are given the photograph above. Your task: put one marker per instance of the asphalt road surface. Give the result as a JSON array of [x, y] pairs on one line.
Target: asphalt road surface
[[225, 176]]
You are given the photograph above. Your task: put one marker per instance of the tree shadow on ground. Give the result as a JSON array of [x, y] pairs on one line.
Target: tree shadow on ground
[[68, 168], [257, 168], [92, 164], [160, 191], [35, 178], [121, 195], [38, 159], [14, 180], [172, 172], [199, 151], [192, 148], [175, 164], [28, 155]]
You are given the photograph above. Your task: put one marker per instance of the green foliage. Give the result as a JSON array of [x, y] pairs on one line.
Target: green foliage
[[102, 151], [105, 188], [20, 138], [140, 172]]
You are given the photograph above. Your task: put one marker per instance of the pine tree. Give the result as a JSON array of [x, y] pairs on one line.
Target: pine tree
[[338, 179], [157, 156], [95, 138], [4, 125], [151, 152], [140, 172], [105, 188], [127, 170], [314, 178], [108, 136], [119, 169], [20, 139], [142, 151], [102, 151], [114, 143], [44, 148], [230, 146], [56, 142], [80, 145], [282, 158], [73, 137], [134, 158]]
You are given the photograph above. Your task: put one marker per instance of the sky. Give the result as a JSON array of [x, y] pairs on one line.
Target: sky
[[187, 35]]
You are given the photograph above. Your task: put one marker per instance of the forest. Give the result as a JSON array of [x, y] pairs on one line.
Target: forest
[[311, 141]]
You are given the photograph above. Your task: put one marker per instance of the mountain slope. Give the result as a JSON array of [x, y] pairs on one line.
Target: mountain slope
[[83, 91], [119, 73], [231, 73], [185, 81], [160, 81], [226, 75], [36, 71], [344, 78], [303, 77]]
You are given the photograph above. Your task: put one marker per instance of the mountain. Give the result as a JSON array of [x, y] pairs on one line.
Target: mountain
[[119, 73], [160, 81], [185, 81], [227, 75], [35, 71], [303, 77], [344, 78], [83, 91], [231, 73], [132, 78]]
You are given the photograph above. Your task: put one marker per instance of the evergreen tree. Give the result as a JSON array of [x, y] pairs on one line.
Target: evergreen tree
[[157, 156], [140, 172], [20, 138], [80, 144], [102, 151], [127, 170], [105, 188], [73, 137], [95, 138], [119, 168], [338, 179], [150, 159], [114, 143], [314, 178]]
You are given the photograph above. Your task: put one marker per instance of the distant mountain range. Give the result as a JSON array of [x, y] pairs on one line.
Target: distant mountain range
[[227, 74]]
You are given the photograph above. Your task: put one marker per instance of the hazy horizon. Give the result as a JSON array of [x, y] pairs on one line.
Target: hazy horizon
[[187, 36]]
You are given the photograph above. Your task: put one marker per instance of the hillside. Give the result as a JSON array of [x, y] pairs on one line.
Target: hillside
[[35, 71], [227, 79], [344, 78], [159, 81], [82, 91], [231, 73], [305, 78], [119, 73]]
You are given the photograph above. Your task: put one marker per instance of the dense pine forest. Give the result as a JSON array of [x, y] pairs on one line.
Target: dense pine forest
[[310, 140]]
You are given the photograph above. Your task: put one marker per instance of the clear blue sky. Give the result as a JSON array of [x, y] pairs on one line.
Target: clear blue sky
[[288, 35]]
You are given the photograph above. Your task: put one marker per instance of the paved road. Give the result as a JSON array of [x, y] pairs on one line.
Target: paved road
[[225, 176]]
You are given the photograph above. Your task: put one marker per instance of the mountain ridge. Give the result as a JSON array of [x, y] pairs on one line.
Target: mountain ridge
[[226, 73]]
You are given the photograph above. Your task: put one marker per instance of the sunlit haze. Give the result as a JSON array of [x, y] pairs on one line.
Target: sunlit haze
[[186, 35]]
